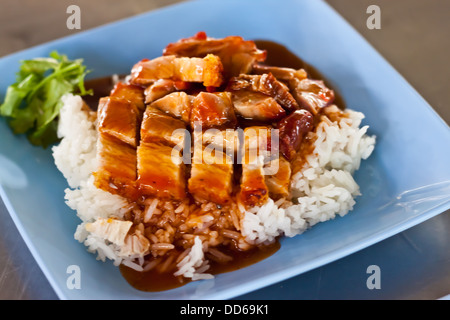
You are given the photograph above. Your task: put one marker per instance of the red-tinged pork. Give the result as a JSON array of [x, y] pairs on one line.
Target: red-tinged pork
[[259, 142], [162, 88], [119, 118], [213, 110], [207, 70], [278, 177], [117, 166], [146, 71], [256, 106], [211, 175], [133, 93], [311, 95], [292, 130], [237, 55], [280, 73], [176, 104], [227, 141], [253, 190], [266, 84], [212, 71], [161, 173], [257, 148], [158, 126]]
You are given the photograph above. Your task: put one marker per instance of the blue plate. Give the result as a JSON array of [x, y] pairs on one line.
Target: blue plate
[[405, 181]]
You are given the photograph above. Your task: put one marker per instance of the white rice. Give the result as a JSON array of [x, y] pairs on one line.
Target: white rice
[[322, 190], [193, 265], [75, 156]]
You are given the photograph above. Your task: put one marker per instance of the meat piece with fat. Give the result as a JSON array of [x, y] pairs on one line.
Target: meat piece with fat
[[130, 92], [118, 123], [227, 141], [211, 175], [162, 88], [311, 95], [212, 110], [280, 73], [110, 229], [207, 70], [266, 84], [119, 118], [161, 171], [253, 188], [237, 55], [278, 177], [256, 151], [256, 106], [158, 126], [176, 104], [116, 171]]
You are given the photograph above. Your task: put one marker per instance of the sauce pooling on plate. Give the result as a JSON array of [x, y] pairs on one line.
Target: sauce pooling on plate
[[153, 280]]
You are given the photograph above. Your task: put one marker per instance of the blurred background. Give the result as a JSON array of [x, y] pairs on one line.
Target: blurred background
[[413, 38]]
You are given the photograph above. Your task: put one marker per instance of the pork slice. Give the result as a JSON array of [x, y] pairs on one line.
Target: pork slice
[[311, 95], [259, 142], [211, 175], [237, 55], [145, 72], [207, 70], [266, 84], [227, 141], [212, 110], [280, 73], [158, 126], [278, 177], [253, 189], [257, 149], [176, 104], [256, 106], [110, 229], [161, 173], [162, 88], [133, 93], [119, 118]]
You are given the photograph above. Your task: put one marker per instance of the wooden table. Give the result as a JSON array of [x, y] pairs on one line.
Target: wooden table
[[413, 38]]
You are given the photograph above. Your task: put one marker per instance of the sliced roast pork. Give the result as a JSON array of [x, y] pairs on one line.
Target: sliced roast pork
[[237, 55], [207, 70]]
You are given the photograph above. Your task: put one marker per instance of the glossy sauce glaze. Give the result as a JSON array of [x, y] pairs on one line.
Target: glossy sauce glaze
[[154, 280], [280, 56]]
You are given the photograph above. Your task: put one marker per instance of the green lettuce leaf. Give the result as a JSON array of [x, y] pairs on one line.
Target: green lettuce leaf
[[33, 102]]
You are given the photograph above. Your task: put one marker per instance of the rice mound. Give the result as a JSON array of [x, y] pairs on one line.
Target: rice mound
[[321, 190]]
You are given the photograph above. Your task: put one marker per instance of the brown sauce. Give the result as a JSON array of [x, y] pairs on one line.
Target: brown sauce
[[280, 56], [101, 87], [153, 280], [242, 259]]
